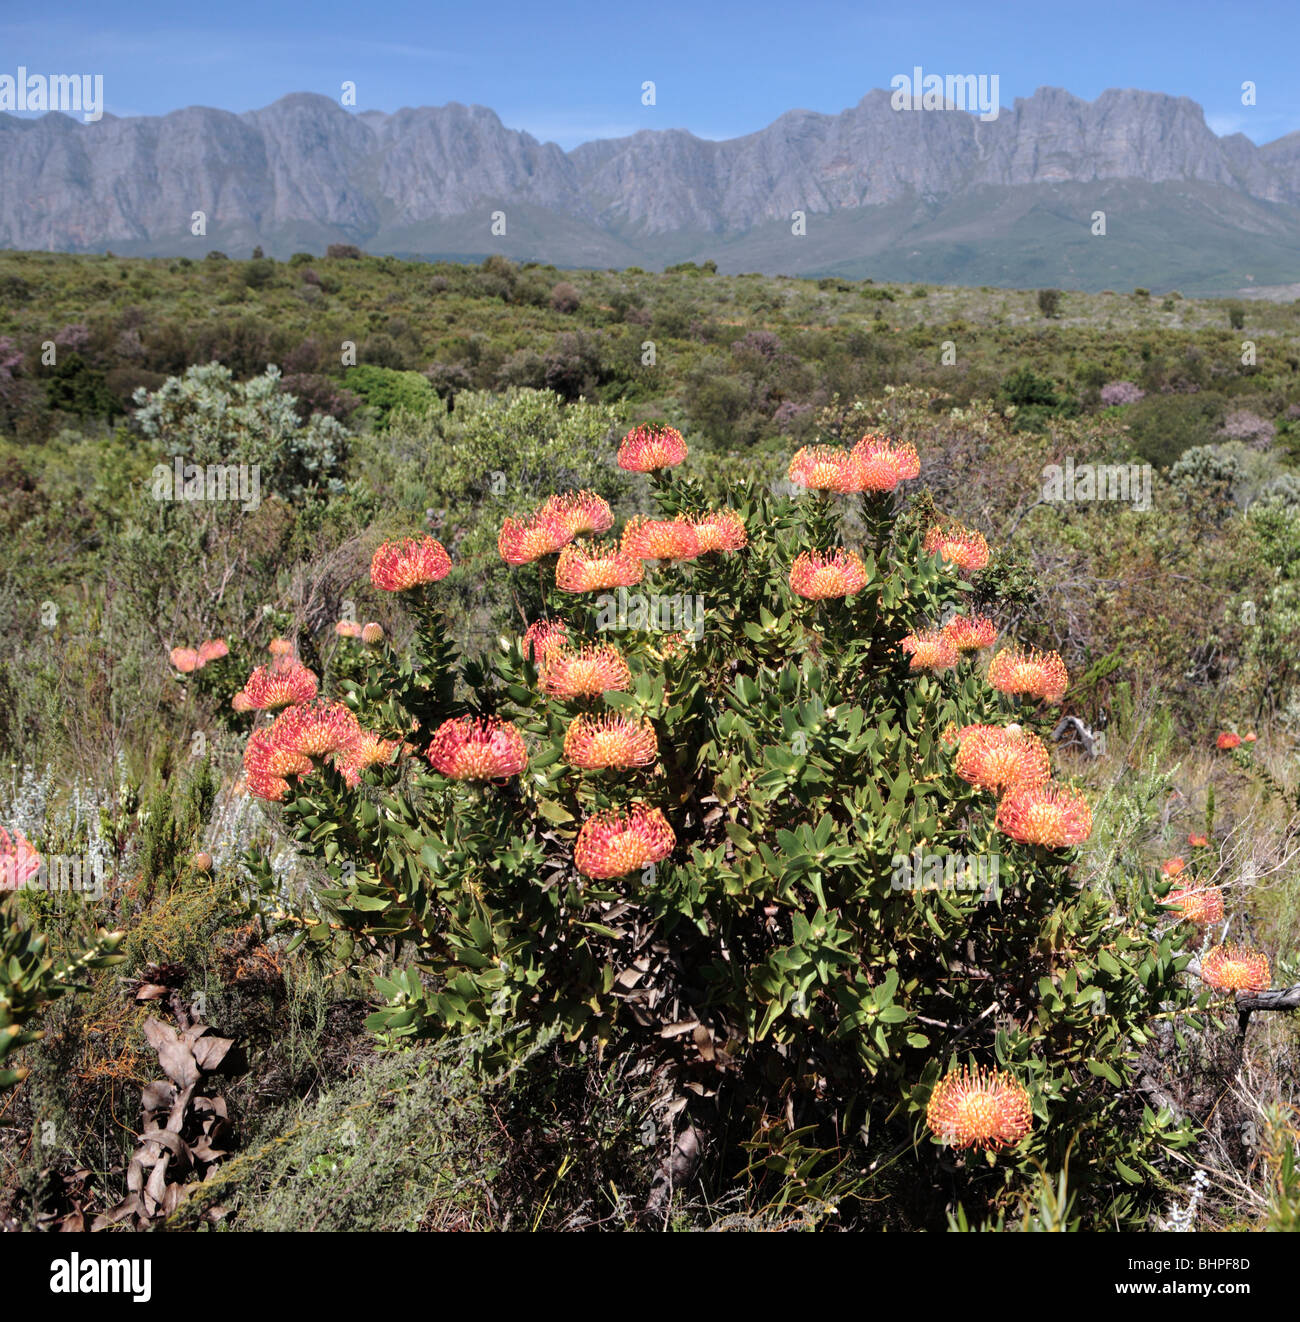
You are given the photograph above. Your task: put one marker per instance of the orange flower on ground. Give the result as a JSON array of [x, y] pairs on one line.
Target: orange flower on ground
[[1029, 674], [348, 629], [521, 542], [997, 759], [541, 637], [823, 468], [966, 550], [19, 861], [875, 465], [661, 539], [722, 530], [1197, 905], [929, 650], [1233, 968], [596, 566], [1171, 867], [1227, 740], [595, 742], [286, 680], [612, 844], [468, 748], [316, 728], [970, 633], [579, 512], [397, 566], [1048, 815], [279, 647], [645, 449], [818, 575], [979, 1108], [1198, 841], [584, 673], [185, 659], [212, 650]]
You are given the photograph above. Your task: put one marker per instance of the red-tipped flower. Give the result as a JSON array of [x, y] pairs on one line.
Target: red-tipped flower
[[584, 673], [970, 633], [722, 530], [581, 513], [595, 742], [1235, 969], [978, 1108], [1048, 815], [541, 637], [470, 749], [1171, 867], [523, 541], [1029, 674], [817, 575], [823, 468], [612, 844], [1198, 841], [19, 862], [596, 566], [212, 650], [280, 647], [185, 659], [645, 449], [348, 629], [316, 728], [1199, 905], [661, 539], [1227, 740], [997, 759], [962, 548], [369, 750], [397, 566], [875, 464], [267, 763], [286, 680], [929, 650]]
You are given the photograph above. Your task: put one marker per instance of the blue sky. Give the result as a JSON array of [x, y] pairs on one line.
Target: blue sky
[[571, 72]]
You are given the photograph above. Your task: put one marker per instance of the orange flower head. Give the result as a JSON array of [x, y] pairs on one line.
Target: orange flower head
[[397, 566], [240, 702], [722, 530], [584, 673], [19, 861], [369, 750], [877, 466], [1047, 815], [970, 633], [612, 844], [595, 742], [372, 633], [212, 650], [1030, 674], [1249, 738], [279, 647], [645, 449], [286, 680], [185, 659], [962, 548], [595, 567], [316, 728], [1235, 969], [929, 650], [1198, 841], [1228, 740], [817, 575], [467, 748], [1201, 905], [348, 629], [661, 539], [1171, 867], [823, 468], [541, 637], [264, 755], [978, 1108], [523, 541], [580, 512], [998, 760]]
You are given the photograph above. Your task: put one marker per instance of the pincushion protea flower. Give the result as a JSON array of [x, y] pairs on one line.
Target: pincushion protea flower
[[1171, 867], [240, 702], [280, 647], [184, 659], [1227, 740], [1048, 815], [997, 759], [1233, 968], [1249, 738], [1197, 841], [348, 629], [594, 742], [369, 750], [822, 468], [523, 541], [372, 633], [316, 728], [722, 530], [1199, 905], [579, 512], [596, 566], [661, 539], [1029, 674], [817, 575], [286, 680], [266, 764], [875, 465], [541, 637], [979, 1108], [644, 449], [469, 748], [397, 566], [929, 650], [212, 650], [612, 844], [584, 673], [970, 633], [961, 547], [19, 861]]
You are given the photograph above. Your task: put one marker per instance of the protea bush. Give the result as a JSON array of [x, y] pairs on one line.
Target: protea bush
[[778, 823]]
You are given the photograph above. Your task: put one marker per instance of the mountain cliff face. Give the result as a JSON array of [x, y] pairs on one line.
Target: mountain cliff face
[[422, 182]]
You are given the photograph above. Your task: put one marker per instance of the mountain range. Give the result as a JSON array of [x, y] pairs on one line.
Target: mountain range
[[935, 195]]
